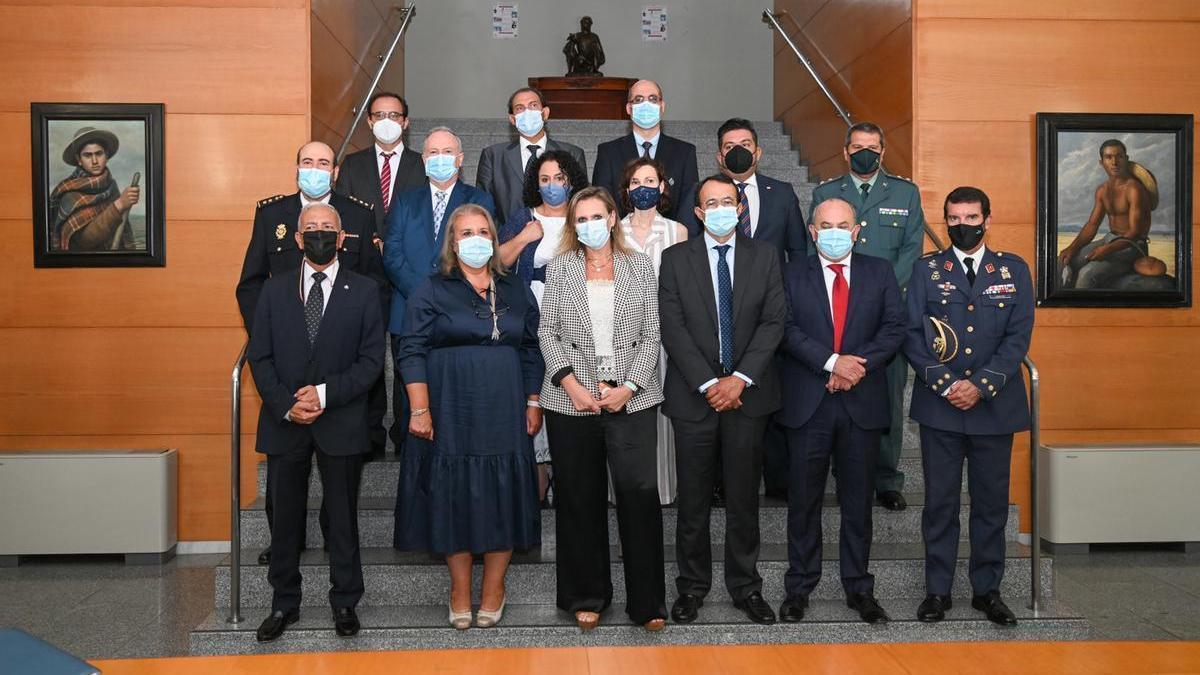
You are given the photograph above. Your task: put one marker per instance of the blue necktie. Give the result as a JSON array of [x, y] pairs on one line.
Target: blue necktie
[[725, 308]]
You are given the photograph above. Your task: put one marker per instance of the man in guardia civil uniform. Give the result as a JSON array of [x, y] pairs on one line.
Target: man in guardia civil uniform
[[892, 227]]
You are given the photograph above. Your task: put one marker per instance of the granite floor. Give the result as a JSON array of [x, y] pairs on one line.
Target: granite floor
[[100, 608]]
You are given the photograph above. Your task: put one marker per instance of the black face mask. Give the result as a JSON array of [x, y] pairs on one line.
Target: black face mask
[[864, 162], [320, 246], [965, 237], [739, 159]]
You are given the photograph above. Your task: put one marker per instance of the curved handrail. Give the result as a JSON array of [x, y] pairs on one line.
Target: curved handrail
[[235, 491], [407, 12], [1035, 588]]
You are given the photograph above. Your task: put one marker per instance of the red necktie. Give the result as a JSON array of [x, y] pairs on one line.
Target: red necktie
[[841, 301], [385, 179]]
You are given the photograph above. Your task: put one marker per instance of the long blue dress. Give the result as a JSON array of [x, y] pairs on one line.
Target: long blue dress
[[474, 487]]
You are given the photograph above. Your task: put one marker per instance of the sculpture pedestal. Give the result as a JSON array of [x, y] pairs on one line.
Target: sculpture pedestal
[[579, 98]]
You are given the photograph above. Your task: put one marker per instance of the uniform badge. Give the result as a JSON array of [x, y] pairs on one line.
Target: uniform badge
[[935, 276], [949, 266], [280, 231], [991, 269], [933, 264], [1004, 272]]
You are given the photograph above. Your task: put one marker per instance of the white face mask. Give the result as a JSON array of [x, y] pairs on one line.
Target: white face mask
[[387, 131]]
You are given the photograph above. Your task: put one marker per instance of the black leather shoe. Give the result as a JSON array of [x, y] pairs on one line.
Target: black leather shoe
[[345, 622], [686, 608], [792, 609], [756, 609], [997, 612], [264, 558], [867, 607], [891, 500], [933, 608], [272, 626]]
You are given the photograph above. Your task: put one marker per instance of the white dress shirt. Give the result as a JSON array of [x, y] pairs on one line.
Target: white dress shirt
[[305, 201], [752, 198], [394, 160], [830, 275], [525, 143], [713, 258], [326, 288], [976, 257], [638, 140]]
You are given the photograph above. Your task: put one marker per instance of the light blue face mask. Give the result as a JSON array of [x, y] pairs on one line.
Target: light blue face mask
[[646, 115], [529, 122], [554, 194], [440, 167], [314, 183], [475, 251], [593, 233], [834, 243], [721, 220]]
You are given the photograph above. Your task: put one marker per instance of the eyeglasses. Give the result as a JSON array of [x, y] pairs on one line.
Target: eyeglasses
[[381, 115], [653, 98], [713, 203], [484, 311]]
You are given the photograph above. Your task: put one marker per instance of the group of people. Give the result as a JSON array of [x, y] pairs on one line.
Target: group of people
[[645, 338]]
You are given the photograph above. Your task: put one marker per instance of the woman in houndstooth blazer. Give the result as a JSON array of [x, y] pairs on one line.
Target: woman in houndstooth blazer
[[599, 335]]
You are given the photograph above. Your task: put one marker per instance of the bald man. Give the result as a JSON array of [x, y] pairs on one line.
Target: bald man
[[645, 106], [274, 248]]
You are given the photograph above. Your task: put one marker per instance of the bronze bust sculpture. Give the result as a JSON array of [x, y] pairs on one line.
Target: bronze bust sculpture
[[583, 51]]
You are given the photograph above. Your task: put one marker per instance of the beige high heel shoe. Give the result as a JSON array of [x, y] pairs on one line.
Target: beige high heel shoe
[[460, 620], [487, 619]]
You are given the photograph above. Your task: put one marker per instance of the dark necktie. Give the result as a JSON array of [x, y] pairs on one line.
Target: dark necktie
[[646, 145], [743, 210], [725, 308], [533, 153], [385, 179], [970, 263], [866, 188], [314, 307], [841, 302]]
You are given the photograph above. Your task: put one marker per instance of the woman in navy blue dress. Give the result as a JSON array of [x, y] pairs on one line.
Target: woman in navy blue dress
[[473, 371]]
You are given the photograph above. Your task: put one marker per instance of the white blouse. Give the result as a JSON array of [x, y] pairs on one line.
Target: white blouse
[[600, 307]]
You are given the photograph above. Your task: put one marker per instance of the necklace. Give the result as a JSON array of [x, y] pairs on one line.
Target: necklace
[[603, 263]]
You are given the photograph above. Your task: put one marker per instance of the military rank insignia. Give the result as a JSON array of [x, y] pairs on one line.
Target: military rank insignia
[[935, 276], [280, 231], [991, 269], [949, 266], [1004, 273]]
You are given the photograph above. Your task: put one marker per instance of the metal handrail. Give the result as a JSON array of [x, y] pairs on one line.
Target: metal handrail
[[385, 58], [235, 489], [1035, 592]]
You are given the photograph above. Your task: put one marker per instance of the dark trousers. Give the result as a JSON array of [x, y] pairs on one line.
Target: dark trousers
[[776, 458], [269, 507], [830, 433], [585, 449], [377, 404], [287, 474], [888, 476], [737, 440], [942, 455], [399, 430]]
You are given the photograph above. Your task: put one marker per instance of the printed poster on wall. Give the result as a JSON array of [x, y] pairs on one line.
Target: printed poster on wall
[[505, 21], [654, 23]]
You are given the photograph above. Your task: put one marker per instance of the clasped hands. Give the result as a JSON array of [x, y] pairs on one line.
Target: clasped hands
[[726, 394], [848, 371], [612, 399], [964, 395], [307, 407]]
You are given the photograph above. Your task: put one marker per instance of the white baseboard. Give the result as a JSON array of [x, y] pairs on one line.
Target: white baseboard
[[1023, 538], [195, 547]]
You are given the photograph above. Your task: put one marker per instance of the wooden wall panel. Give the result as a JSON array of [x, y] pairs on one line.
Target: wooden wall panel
[[1094, 10]]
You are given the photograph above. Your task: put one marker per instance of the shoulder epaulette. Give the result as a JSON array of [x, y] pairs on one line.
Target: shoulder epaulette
[[903, 178], [270, 200], [829, 180], [360, 202], [929, 254]]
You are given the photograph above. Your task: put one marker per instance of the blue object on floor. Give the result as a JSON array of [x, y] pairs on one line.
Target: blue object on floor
[[24, 654]]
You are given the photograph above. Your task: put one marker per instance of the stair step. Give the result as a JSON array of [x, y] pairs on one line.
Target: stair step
[[610, 128], [706, 145], [544, 625], [427, 582]]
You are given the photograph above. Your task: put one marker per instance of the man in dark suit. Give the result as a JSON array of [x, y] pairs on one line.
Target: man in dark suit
[[768, 211], [645, 107], [414, 240], [846, 323], [722, 311], [315, 350], [502, 166], [375, 175], [273, 249], [970, 321]]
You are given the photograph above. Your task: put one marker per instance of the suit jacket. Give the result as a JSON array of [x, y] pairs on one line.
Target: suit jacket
[[359, 177], [688, 307], [679, 158], [347, 357], [565, 330], [874, 330], [780, 221], [273, 250], [502, 173], [993, 320], [410, 251]]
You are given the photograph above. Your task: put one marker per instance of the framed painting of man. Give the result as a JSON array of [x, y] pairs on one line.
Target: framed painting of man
[[98, 185], [1114, 210]]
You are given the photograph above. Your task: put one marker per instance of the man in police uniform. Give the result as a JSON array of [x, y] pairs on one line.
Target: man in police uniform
[[970, 319], [273, 249], [892, 227]]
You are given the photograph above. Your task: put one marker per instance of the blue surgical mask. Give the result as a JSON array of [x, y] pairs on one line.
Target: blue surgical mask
[[475, 251], [721, 220], [314, 183], [593, 233], [440, 167], [529, 122], [646, 115], [645, 197], [834, 243], [554, 194]]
